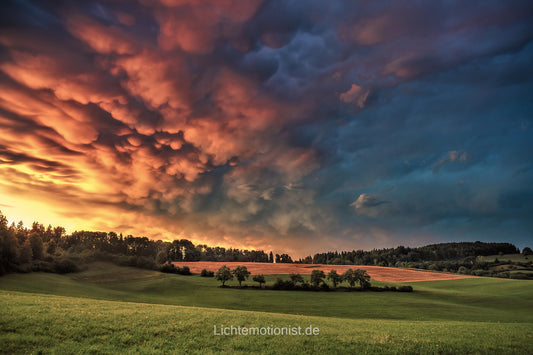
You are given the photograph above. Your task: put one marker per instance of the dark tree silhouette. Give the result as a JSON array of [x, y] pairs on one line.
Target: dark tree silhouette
[[224, 274], [334, 277], [241, 273], [297, 278], [317, 276], [260, 279]]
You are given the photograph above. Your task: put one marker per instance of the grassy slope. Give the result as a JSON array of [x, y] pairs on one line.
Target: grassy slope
[[480, 299], [490, 315], [509, 257], [48, 323]]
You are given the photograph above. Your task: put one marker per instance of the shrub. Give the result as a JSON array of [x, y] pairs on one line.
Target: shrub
[[168, 268], [433, 267], [43, 266], [283, 285], [297, 278], [183, 270], [145, 262], [463, 270], [207, 273], [405, 289], [65, 266]]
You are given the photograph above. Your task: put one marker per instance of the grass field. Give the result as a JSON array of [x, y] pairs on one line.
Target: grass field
[[109, 309]]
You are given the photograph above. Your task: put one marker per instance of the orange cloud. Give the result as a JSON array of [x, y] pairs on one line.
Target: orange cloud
[[194, 26], [113, 132], [102, 39]]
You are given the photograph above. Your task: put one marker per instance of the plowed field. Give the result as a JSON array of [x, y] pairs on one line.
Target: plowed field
[[388, 274]]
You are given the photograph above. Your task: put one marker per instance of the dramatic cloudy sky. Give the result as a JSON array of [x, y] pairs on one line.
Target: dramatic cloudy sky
[[298, 126]]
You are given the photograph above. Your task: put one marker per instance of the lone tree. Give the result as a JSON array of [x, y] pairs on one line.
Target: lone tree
[[350, 277], [297, 278], [527, 251], [317, 277], [260, 279], [224, 274], [334, 277], [241, 273]]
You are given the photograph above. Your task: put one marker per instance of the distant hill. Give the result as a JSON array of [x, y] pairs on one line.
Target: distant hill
[[433, 252], [470, 258]]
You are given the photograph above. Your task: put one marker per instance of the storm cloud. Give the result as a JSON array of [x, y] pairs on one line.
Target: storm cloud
[[296, 126]]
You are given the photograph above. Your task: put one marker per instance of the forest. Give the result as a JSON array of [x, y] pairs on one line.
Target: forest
[[50, 249], [463, 257]]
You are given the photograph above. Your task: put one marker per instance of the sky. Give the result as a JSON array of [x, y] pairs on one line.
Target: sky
[[293, 126]]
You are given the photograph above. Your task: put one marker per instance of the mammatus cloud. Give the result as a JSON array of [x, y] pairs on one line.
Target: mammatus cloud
[[253, 124]]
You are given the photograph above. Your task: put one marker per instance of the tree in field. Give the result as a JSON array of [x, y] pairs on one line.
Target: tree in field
[[297, 278], [317, 277], [241, 273], [527, 251], [260, 279], [224, 274], [350, 277], [363, 278], [334, 277]]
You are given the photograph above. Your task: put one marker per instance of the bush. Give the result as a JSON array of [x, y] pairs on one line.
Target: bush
[[405, 289], [522, 276], [125, 260], [42, 266], [463, 270], [65, 266], [283, 285], [168, 268], [207, 273], [145, 262], [183, 270], [434, 267]]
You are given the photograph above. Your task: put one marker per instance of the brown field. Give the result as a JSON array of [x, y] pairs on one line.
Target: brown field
[[388, 274]]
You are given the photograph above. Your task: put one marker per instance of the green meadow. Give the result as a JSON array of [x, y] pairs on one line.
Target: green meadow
[[110, 309]]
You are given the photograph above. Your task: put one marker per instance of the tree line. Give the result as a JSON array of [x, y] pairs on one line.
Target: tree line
[[391, 256], [50, 249], [317, 281]]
